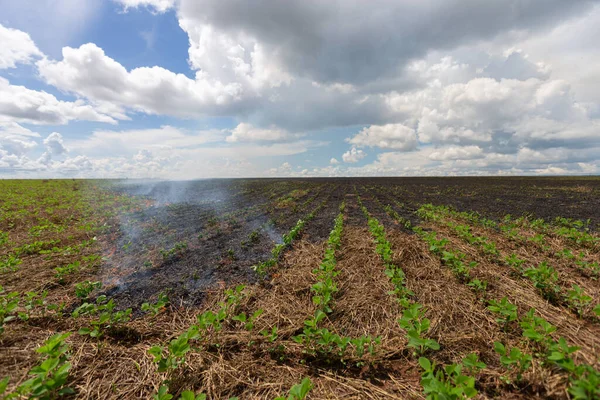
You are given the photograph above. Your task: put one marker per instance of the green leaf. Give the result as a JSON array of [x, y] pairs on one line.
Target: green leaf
[[499, 348], [3, 385], [84, 331], [425, 363], [187, 395]]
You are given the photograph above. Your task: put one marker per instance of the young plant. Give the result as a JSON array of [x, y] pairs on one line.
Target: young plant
[[544, 278], [435, 246], [536, 328], [8, 304], [478, 286], [578, 300], [514, 262], [325, 288], [189, 395], [490, 248], [560, 354], [263, 268], [83, 289], [176, 250], [514, 360], [171, 357], [248, 321], [234, 296], [10, 264], [457, 265], [271, 336], [106, 317], [586, 383], [33, 300], [506, 311], [163, 393], [50, 376], [415, 324], [158, 306], [472, 364], [360, 343], [62, 272], [448, 383], [298, 391]]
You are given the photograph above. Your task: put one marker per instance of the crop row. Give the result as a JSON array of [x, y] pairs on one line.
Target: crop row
[[263, 268], [543, 276], [452, 381], [562, 227], [321, 341], [583, 378], [171, 359]]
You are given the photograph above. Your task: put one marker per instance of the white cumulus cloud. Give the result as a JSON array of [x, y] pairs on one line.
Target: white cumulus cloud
[[353, 155], [20, 104], [17, 47], [390, 136]]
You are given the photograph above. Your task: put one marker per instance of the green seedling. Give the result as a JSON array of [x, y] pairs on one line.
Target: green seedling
[[544, 278], [10, 264], [105, 316], [158, 306], [248, 321], [585, 384], [446, 383], [506, 311], [189, 395], [163, 393], [578, 300], [472, 364], [514, 360], [298, 391], [83, 289], [536, 328], [62, 272], [478, 285], [560, 354], [50, 376], [514, 262], [177, 249], [8, 304], [33, 300], [457, 265], [415, 324], [271, 336], [171, 357]]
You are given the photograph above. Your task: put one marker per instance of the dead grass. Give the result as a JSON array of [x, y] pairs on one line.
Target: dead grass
[[521, 292]]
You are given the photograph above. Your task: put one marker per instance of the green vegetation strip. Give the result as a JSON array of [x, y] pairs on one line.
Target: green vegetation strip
[[171, 359], [453, 381], [584, 379], [263, 268], [543, 276], [320, 340]]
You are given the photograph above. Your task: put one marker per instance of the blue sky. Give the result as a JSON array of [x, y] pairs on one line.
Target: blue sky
[[184, 89]]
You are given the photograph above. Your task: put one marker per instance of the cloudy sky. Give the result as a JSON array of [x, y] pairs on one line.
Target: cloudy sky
[[186, 89]]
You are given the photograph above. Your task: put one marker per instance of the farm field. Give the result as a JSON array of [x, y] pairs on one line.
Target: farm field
[[347, 288]]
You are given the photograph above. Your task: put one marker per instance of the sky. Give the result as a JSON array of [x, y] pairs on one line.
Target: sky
[[190, 89]]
